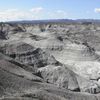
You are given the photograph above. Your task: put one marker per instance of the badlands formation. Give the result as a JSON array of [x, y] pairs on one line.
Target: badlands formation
[[50, 61]]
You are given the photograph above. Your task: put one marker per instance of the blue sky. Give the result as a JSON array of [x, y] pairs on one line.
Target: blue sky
[[49, 9]]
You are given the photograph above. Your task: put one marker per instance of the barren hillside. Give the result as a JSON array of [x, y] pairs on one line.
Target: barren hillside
[[50, 61]]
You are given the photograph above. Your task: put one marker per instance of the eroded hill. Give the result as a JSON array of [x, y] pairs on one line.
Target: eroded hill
[[58, 61]]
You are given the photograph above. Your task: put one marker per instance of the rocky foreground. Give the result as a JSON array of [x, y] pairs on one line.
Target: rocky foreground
[[50, 61]]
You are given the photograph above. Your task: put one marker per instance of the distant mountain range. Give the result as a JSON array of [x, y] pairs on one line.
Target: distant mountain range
[[56, 21]]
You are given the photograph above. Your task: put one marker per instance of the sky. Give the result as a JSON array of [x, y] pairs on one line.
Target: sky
[[11, 10]]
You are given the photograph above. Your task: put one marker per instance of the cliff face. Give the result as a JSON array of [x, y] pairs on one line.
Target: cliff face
[[59, 55]]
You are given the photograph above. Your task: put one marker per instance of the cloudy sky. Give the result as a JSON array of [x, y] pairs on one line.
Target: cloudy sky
[[49, 9]]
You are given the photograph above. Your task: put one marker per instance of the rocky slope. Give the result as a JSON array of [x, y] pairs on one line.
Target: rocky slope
[[56, 59], [28, 54], [19, 84]]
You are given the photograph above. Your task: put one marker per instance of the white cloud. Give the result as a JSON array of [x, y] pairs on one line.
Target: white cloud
[[58, 14], [35, 13], [61, 11], [97, 10], [11, 14], [37, 9], [15, 14]]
